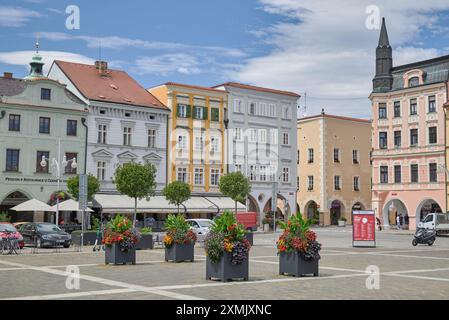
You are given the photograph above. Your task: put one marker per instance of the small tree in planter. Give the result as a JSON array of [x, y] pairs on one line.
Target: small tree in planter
[[236, 186], [297, 248], [146, 239], [120, 240], [93, 186], [227, 249], [176, 193], [180, 240]]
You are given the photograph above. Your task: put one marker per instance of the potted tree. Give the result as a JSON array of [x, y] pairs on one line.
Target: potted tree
[[120, 240], [297, 248], [342, 222], [146, 239], [227, 249], [176, 193], [179, 240]]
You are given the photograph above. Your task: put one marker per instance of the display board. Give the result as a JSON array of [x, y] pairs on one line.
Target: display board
[[363, 228]]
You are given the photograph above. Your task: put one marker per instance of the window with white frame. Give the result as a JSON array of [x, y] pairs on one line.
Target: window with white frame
[[199, 113], [262, 136], [252, 173], [199, 176], [127, 134], [253, 135], [238, 106], [337, 182], [336, 155], [286, 174], [181, 143], [238, 134], [151, 138], [102, 132], [286, 138], [273, 136], [214, 177], [252, 108], [182, 110], [311, 155], [182, 175], [355, 156], [310, 183], [272, 110], [238, 167], [101, 170], [199, 143], [432, 104], [286, 112], [263, 173], [214, 144]]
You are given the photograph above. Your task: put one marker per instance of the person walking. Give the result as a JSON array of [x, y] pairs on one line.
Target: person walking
[[401, 221], [398, 222], [379, 226], [406, 221]]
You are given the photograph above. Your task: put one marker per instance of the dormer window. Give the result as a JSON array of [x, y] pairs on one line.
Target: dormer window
[[413, 82], [45, 94]]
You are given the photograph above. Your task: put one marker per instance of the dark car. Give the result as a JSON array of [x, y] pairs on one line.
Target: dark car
[[44, 234]]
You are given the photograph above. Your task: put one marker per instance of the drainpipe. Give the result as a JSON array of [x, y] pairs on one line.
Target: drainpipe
[[167, 144], [83, 121]]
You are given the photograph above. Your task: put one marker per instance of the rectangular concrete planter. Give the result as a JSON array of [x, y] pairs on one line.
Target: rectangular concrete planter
[[145, 242], [250, 237], [180, 252], [295, 265], [225, 270], [88, 238], [114, 255]]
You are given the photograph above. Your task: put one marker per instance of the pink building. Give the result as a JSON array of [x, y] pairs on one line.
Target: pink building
[[408, 158]]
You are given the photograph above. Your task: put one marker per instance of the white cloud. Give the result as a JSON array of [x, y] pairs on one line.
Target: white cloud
[[167, 64], [323, 48], [23, 58], [16, 16]]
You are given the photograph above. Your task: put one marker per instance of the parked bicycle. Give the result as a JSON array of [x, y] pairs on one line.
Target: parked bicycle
[[9, 243]]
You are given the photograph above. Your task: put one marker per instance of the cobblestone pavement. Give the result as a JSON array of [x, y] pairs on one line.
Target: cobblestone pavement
[[406, 272]]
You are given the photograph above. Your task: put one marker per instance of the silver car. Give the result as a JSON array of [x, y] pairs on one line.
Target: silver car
[[200, 227]]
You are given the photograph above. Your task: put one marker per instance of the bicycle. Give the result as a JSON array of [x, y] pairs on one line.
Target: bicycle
[[9, 244]]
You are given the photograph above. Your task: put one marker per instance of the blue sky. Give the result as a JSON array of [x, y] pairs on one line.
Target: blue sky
[[320, 47]]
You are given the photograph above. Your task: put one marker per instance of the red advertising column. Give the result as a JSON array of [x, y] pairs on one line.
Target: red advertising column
[[363, 228]]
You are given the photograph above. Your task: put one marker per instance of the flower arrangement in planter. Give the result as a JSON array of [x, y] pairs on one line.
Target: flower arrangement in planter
[[298, 249], [179, 240], [342, 222], [120, 241], [58, 195], [227, 249], [146, 239]]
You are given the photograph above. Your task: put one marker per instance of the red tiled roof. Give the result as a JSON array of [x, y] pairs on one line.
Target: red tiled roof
[[334, 117], [193, 87], [115, 86], [247, 86]]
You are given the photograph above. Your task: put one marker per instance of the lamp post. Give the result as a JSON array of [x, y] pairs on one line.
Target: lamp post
[[57, 163]]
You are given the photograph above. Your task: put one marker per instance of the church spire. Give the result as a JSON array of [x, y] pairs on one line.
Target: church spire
[[383, 81], [36, 64]]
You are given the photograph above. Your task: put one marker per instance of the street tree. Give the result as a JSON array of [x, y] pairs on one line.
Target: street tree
[[137, 181], [236, 186], [176, 193], [93, 186]]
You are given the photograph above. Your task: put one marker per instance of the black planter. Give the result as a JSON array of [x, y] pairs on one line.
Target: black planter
[[225, 270], [250, 237], [114, 255], [295, 265], [88, 238], [145, 242], [180, 252]]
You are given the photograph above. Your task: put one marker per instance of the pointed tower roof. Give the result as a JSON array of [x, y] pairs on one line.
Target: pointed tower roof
[[383, 38], [37, 65]]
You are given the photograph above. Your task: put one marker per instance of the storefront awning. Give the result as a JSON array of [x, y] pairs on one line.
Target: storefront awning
[[115, 203]]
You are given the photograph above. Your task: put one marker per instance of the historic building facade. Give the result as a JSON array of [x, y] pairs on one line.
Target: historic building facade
[[126, 123], [261, 143], [334, 173], [196, 139], [408, 159], [40, 119]]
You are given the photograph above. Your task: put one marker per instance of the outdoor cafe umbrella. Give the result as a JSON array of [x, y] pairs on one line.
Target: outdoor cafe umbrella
[[33, 205], [69, 205]]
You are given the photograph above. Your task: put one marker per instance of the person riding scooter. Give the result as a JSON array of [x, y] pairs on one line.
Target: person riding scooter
[[424, 236]]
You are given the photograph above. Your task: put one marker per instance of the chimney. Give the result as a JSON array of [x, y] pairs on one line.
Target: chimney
[[102, 67], [7, 75]]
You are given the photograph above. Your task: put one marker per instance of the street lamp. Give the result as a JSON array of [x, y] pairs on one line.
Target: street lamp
[[64, 163]]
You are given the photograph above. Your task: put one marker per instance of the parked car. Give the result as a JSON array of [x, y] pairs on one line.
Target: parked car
[[44, 234], [7, 229], [436, 221], [201, 227], [17, 225]]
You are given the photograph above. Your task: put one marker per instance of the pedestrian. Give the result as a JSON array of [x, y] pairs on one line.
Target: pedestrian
[[401, 221], [379, 226], [406, 221], [398, 222]]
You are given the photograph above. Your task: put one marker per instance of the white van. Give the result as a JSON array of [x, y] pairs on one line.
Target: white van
[[436, 221]]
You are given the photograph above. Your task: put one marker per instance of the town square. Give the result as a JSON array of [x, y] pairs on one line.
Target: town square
[[260, 150]]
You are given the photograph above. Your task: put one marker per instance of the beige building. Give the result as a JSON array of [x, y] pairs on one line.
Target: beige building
[[334, 170]]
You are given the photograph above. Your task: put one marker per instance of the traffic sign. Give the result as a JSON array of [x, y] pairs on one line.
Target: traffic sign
[[82, 192]]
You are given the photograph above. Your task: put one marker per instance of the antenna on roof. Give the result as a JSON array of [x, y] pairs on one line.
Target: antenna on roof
[[37, 42]]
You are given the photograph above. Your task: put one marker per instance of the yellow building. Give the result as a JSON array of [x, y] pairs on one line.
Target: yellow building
[[196, 134], [334, 171]]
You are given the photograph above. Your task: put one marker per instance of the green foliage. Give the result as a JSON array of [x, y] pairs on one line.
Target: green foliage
[[93, 186], [136, 180], [227, 224], [176, 193], [146, 230], [4, 217], [177, 222], [119, 224], [213, 246], [236, 186], [297, 224], [95, 223]]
